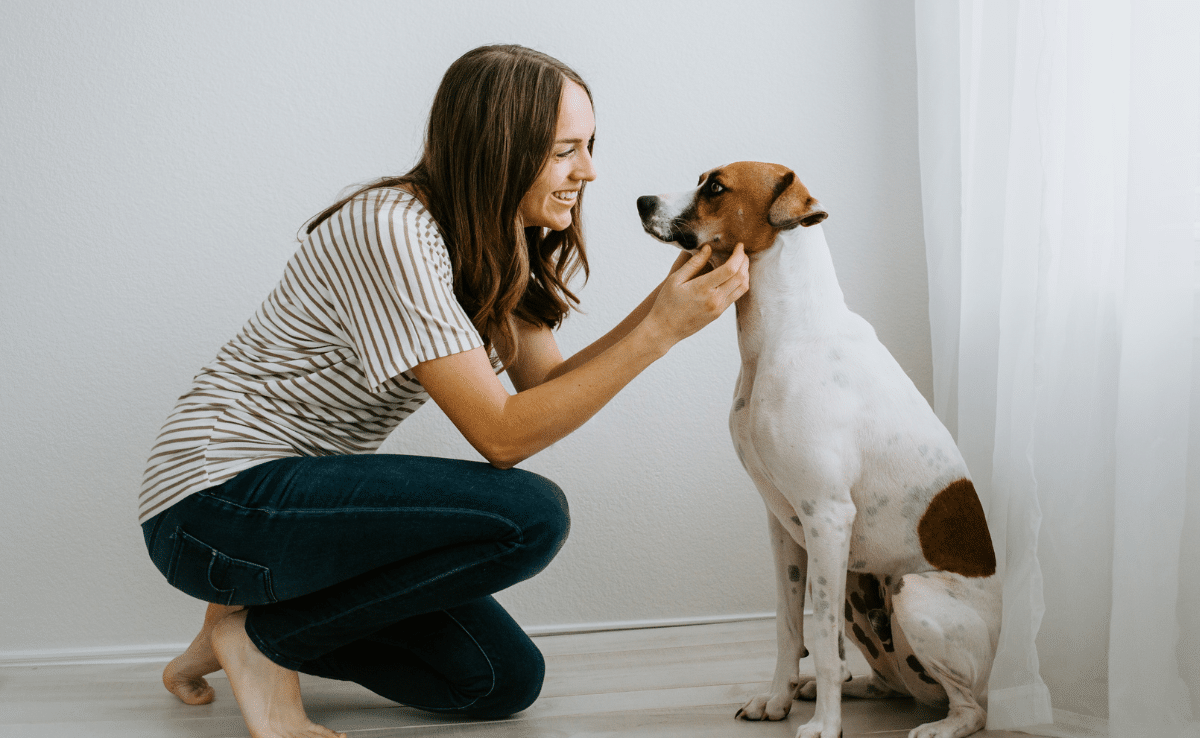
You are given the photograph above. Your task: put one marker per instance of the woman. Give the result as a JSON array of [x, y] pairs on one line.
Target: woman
[[262, 496]]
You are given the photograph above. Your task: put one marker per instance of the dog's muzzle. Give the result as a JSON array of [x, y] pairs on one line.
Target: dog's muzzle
[[660, 223]]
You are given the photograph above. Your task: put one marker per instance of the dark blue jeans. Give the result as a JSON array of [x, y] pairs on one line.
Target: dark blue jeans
[[376, 569]]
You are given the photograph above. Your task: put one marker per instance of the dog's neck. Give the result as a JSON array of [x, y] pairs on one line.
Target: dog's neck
[[793, 291]]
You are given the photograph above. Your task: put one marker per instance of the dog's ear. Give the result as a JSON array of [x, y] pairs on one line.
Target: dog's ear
[[793, 206]]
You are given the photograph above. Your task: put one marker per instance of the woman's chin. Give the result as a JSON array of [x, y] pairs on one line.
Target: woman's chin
[[559, 224]]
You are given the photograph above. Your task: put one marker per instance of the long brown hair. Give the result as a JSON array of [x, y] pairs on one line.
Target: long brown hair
[[491, 130]]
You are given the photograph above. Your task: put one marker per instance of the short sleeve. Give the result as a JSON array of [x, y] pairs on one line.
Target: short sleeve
[[388, 272]]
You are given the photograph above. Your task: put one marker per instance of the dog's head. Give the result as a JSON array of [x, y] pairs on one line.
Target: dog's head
[[747, 202]]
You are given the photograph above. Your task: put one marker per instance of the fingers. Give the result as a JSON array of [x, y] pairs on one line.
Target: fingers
[[680, 260], [731, 278], [690, 299], [733, 288], [693, 265], [725, 284], [737, 263]]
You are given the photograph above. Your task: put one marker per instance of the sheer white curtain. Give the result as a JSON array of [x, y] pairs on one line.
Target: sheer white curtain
[[1059, 144]]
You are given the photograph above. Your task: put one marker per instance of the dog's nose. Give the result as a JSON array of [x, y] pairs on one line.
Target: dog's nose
[[646, 205]]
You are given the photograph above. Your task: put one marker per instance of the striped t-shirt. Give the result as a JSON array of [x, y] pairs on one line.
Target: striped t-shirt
[[324, 366]]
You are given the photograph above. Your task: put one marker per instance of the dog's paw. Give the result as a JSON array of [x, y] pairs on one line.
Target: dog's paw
[[808, 689], [820, 729], [962, 721], [767, 706]]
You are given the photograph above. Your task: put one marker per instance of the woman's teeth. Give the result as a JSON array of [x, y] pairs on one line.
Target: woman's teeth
[[566, 195]]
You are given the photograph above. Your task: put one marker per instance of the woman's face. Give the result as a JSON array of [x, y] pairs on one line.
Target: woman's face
[[549, 201]]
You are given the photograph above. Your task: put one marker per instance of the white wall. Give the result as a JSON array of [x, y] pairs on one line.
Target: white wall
[[159, 157]]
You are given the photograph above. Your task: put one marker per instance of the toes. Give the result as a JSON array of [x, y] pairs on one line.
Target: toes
[[765, 707], [818, 731], [752, 710], [197, 694], [312, 731], [191, 691]]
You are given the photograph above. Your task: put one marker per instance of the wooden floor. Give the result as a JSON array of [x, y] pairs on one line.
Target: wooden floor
[[659, 683]]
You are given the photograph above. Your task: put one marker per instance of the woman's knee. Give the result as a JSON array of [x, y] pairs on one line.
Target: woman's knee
[[517, 682], [546, 518]]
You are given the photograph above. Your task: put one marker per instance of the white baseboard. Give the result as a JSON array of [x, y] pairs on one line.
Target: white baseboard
[[1071, 725], [69, 656], [548, 630], [164, 652]]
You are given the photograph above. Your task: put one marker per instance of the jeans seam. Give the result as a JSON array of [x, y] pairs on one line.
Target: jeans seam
[[485, 656], [326, 511], [403, 592]]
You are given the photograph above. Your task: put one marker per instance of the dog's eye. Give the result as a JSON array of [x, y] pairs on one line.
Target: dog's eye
[[716, 188]]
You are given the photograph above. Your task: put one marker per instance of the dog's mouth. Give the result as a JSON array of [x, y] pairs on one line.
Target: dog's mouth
[[672, 231], [682, 238], [686, 240]]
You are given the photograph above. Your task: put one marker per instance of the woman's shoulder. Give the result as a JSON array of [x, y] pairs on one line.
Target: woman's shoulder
[[397, 207], [389, 201], [397, 221], [388, 219]]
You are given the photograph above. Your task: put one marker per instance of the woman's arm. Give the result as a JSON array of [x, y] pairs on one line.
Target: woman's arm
[[507, 429], [539, 359]]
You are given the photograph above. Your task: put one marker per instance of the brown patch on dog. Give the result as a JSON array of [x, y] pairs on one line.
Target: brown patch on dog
[[750, 202], [954, 533]]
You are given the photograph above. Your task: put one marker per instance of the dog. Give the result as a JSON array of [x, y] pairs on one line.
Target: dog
[[871, 510]]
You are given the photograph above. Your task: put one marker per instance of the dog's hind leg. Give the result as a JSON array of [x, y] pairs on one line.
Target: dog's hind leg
[[948, 625], [791, 570]]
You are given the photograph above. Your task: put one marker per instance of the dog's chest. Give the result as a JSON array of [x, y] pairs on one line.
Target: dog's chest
[[818, 414], [776, 402], [783, 393]]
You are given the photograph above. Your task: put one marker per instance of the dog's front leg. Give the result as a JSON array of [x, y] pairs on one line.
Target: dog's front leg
[[791, 571], [828, 524]]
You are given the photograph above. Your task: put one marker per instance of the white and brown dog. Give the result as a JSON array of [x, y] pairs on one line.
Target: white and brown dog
[[869, 503]]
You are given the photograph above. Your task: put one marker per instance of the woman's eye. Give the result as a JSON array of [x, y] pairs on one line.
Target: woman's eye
[[565, 154]]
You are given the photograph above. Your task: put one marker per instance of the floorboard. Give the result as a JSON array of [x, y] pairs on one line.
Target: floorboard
[[655, 682]]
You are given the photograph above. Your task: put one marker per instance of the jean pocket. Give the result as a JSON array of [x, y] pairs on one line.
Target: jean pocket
[[202, 571]]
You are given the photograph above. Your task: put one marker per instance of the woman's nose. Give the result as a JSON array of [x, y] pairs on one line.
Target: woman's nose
[[586, 170]]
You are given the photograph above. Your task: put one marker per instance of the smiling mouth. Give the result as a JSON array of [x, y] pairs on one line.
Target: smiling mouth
[[567, 197]]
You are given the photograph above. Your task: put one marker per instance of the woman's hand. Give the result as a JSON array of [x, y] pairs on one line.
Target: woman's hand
[[689, 300]]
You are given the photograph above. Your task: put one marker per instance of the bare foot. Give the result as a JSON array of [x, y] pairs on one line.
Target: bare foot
[[267, 693], [184, 676]]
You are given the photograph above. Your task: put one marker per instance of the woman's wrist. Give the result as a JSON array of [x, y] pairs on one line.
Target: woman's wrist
[[651, 338]]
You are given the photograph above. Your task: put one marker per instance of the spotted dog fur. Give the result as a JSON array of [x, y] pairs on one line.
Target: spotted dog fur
[[871, 511]]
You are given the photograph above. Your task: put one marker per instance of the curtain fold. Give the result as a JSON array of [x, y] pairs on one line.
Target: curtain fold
[[1058, 149]]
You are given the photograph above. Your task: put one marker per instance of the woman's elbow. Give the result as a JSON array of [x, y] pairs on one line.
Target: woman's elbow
[[503, 455]]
